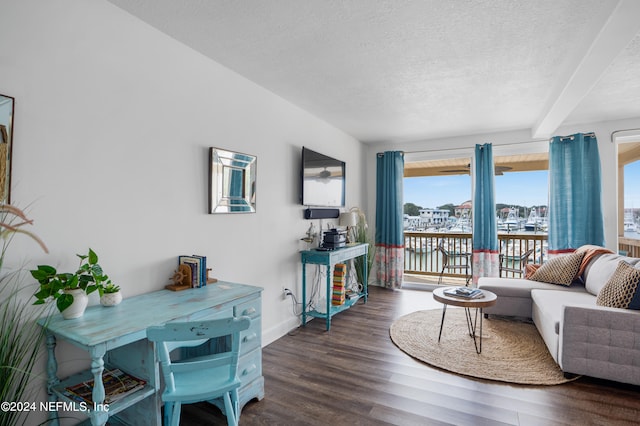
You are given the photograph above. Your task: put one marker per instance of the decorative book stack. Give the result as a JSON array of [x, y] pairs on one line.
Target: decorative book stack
[[198, 268], [464, 292], [339, 274]]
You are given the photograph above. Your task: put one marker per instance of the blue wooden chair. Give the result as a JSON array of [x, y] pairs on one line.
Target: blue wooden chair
[[201, 378]]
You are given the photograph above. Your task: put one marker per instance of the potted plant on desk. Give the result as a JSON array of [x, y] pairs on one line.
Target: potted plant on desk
[[110, 294], [70, 290]]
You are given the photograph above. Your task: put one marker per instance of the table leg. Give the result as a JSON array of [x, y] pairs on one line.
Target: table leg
[[470, 326], [480, 328], [475, 324], [329, 281], [444, 311], [304, 294], [365, 277]]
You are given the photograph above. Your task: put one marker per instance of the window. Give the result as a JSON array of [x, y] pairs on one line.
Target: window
[[436, 193], [628, 191]]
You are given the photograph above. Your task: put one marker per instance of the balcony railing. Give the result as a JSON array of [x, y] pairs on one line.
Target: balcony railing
[[423, 258], [629, 246]]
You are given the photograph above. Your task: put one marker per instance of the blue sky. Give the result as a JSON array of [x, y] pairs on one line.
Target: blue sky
[[631, 187], [515, 188]]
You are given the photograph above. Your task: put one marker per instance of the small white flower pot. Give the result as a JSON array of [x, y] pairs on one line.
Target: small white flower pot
[[111, 299]]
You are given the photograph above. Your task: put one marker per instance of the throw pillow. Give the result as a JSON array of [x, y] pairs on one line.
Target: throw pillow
[[560, 270], [530, 268], [622, 289]]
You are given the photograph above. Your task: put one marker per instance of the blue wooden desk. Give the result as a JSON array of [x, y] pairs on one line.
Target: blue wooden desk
[[330, 258], [116, 337]]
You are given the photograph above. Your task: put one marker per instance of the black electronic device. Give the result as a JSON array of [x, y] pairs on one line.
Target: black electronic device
[[334, 239], [321, 213]]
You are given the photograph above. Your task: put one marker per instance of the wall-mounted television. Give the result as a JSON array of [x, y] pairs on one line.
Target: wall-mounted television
[[323, 180]]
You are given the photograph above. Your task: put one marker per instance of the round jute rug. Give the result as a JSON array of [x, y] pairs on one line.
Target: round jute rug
[[512, 351]]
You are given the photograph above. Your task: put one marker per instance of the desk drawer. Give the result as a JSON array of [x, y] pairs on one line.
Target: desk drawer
[[251, 309], [208, 314], [250, 338], [250, 367]]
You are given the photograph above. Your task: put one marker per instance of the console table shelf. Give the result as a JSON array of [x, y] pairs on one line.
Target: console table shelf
[[336, 309], [328, 259]]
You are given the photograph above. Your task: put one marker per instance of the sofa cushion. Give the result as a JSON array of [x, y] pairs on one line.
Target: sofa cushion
[[550, 304], [514, 294], [560, 270], [519, 287], [548, 310], [622, 290], [600, 270]]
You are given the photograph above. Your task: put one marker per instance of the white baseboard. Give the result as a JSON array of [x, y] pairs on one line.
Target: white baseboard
[[279, 330]]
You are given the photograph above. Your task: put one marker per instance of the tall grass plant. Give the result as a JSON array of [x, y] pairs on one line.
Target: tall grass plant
[[21, 337]]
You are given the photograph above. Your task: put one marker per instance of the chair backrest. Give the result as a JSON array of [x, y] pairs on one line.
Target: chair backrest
[[524, 259], [441, 248], [184, 334], [445, 253]]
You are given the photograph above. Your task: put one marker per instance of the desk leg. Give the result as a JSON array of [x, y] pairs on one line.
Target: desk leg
[[52, 376], [99, 413], [304, 294]]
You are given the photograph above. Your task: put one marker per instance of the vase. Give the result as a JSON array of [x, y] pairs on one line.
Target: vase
[[80, 301], [111, 299]]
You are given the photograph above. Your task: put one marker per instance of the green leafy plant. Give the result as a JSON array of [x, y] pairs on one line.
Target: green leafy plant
[[110, 288], [89, 277], [362, 235], [20, 335]]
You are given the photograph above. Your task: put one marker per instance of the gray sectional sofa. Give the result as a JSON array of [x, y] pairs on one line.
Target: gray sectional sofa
[[582, 337]]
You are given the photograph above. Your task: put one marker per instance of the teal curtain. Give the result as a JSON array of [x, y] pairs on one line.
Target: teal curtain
[[485, 230], [575, 193], [389, 257]]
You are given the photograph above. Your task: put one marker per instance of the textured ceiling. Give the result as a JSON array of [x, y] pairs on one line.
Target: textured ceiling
[[401, 70]]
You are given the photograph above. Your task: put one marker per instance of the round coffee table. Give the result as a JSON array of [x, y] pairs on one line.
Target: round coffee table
[[488, 299]]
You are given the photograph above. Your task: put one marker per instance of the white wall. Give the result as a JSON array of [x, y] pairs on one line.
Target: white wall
[[113, 122], [508, 143]]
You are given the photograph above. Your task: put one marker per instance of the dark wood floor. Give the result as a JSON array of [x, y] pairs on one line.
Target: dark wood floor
[[355, 375]]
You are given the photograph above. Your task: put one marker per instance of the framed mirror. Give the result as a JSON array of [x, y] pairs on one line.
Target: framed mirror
[[232, 183], [6, 143]]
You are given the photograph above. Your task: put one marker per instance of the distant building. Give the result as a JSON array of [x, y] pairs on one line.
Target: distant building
[[429, 218], [464, 209], [434, 217]]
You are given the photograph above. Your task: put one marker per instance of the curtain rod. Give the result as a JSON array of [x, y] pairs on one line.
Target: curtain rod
[[571, 137], [591, 134], [622, 130], [380, 154], [458, 149]]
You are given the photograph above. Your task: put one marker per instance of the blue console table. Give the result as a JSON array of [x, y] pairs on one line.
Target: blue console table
[[328, 259], [115, 337]]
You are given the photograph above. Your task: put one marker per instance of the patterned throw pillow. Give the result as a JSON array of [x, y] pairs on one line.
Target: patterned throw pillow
[[622, 289], [559, 270]]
